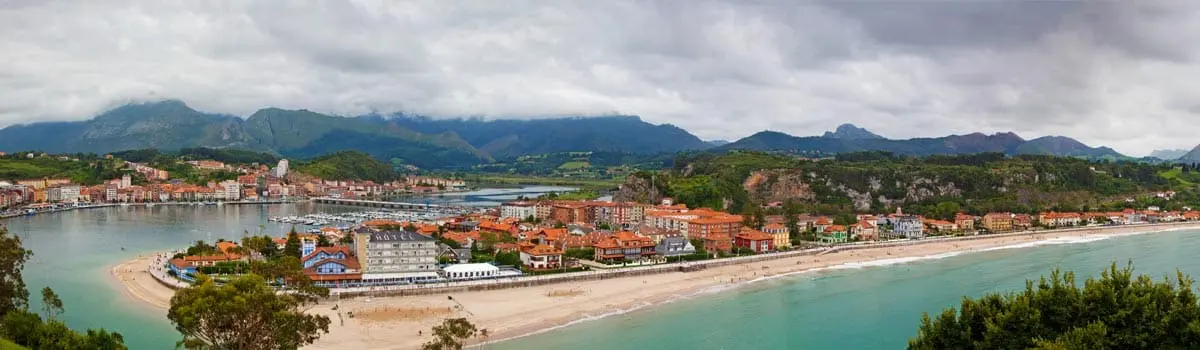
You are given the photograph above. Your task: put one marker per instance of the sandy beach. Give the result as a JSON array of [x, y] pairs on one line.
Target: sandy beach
[[404, 322]]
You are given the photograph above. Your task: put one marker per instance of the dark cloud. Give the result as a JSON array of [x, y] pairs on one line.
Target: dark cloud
[[1105, 72]]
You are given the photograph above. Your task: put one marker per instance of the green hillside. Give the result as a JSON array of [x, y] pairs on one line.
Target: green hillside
[[348, 165], [880, 181]]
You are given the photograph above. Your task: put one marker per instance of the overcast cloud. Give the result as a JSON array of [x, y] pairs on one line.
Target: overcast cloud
[[1116, 73]]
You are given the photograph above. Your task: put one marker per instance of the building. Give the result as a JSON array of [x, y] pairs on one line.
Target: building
[[674, 246], [332, 267], [459, 272], [1053, 219], [864, 231], [696, 223], [757, 241], [964, 222], [394, 257], [941, 226], [998, 222], [541, 257], [780, 233], [908, 226], [232, 189], [519, 209], [624, 246], [281, 169], [571, 212], [126, 181], [835, 234]]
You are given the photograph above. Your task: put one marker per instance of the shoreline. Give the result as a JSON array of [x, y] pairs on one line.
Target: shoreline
[[515, 312]]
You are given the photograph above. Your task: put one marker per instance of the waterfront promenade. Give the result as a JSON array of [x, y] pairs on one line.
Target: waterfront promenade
[[17, 213]]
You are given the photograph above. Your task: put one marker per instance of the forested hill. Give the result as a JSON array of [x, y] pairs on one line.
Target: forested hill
[[938, 185], [348, 165]]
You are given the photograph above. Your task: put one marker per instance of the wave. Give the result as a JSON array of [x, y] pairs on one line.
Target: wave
[[585, 318], [1051, 241]]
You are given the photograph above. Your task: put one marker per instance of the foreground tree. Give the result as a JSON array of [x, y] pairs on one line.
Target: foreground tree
[[244, 314], [1116, 311], [450, 334], [13, 295], [25, 328], [51, 304]]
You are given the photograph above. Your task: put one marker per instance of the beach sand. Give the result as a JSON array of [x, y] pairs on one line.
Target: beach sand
[[135, 276], [405, 322]]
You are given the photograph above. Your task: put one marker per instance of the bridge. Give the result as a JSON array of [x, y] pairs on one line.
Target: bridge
[[379, 204]]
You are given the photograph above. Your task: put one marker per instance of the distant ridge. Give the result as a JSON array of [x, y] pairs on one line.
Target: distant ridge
[[851, 132], [1007, 143], [411, 140]]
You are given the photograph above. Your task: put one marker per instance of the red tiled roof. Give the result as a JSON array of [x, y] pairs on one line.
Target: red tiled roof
[[328, 250], [542, 250]]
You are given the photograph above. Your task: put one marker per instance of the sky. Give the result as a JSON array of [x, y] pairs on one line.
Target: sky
[[1114, 73]]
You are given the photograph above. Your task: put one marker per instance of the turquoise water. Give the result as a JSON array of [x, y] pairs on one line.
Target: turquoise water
[[74, 251], [858, 308]]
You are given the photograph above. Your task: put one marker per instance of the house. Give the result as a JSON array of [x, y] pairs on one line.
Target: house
[[940, 226], [780, 233], [757, 241], [835, 234], [822, 223], [965, 223], [674, 246], [182, 269], [864, 231], [716, 244], [624, 246], [1022, 221], [332, 267], [1054, 219], [908, 226], [541, 257], [454, 255]]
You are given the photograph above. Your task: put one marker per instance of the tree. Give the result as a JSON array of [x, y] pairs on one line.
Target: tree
[[51, 304], [347, 239], [1116, 311], [450, 334], [292, 247], [243, 314], [26, 328], [508, 259], [323, 241], [13, 295]]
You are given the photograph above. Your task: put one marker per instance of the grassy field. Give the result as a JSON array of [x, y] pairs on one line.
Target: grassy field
[[1176, 174], [5, 344], [574, 165]]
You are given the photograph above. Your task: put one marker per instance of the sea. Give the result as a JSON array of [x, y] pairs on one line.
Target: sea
[[870, 305]]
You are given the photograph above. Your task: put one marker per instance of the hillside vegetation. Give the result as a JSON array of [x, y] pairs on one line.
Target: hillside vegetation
[[881, 181], [348, 165]]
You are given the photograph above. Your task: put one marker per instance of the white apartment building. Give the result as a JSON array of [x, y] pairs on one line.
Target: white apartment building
[[398, 257], [519, 210]]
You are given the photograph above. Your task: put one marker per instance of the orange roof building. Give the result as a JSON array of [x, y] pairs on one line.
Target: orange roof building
[[541, 257], [624, 246]]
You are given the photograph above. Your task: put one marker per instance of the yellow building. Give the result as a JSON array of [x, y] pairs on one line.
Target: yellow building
[[780, 233]]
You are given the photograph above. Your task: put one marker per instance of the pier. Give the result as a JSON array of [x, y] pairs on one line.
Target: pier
[[379, 204]]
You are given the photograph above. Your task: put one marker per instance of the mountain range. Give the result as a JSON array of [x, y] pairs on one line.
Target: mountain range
[[420, 141], [464, 142]]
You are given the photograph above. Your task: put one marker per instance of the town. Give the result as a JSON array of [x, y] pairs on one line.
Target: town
[[249, 183], [538, 237]]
